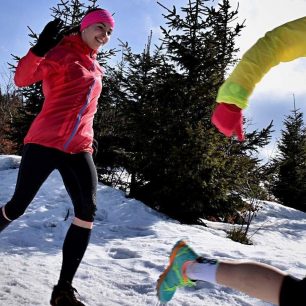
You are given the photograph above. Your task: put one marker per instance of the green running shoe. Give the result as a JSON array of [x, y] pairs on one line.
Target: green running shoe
[[175, 274]]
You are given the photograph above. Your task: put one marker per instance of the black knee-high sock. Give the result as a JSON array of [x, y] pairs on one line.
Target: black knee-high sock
[[74, 248], [3, 221]]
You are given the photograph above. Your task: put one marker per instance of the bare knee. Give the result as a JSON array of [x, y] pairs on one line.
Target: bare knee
[[82, 223]]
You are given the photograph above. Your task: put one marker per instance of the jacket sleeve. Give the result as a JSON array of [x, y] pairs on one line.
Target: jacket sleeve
[[28, 70], [283, 44]]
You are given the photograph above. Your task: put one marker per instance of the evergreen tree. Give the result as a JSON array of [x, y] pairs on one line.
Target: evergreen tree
[[179, 164], [9, 103], [198, 172], [289, 184], [109, 125], [126, 119]]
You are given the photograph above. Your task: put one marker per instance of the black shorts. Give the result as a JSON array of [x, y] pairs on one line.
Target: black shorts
[[293, 292], [78, 173]]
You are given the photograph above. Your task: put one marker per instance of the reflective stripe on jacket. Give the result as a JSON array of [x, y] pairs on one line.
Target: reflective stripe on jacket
[[72, 83], [283, 44]]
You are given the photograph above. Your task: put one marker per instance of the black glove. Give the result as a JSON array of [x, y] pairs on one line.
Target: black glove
[[48, 38]]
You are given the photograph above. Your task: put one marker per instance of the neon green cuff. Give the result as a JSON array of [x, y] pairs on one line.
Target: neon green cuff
[[233, 93]]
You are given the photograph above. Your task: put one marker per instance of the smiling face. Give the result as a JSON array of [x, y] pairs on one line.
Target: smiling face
[[97, 35]]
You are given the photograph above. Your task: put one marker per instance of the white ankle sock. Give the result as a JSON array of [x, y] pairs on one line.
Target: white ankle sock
[[203, 271]]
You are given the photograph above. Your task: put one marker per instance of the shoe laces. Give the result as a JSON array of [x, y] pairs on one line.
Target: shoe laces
[[69, 292], [72, 290]]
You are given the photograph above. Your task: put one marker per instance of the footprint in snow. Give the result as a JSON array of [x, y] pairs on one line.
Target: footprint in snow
[[121, 253]]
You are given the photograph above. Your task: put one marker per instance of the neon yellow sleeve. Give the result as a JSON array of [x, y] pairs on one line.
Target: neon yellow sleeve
[[283, 44]]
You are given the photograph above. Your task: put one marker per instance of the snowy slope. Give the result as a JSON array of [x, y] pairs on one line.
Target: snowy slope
[[129, 248]]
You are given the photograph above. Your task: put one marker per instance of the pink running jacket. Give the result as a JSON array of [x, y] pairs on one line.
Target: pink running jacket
[[72, 83]]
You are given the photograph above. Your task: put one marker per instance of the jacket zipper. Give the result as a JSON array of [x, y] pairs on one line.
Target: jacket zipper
[[79, 116]]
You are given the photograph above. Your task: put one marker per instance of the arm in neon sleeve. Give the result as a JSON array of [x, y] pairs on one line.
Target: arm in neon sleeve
[[283, 44]]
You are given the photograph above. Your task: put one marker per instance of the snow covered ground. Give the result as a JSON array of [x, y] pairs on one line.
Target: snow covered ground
[[129, 248]]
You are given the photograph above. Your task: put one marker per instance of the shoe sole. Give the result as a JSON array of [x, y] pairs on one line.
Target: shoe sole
[[173, 254]]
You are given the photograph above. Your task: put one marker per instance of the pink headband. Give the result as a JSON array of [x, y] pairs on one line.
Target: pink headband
[[99, 16]]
